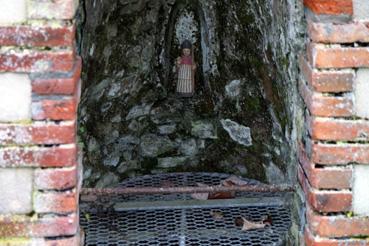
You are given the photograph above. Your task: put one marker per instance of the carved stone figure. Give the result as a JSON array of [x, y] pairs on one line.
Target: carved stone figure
[[186, 68]]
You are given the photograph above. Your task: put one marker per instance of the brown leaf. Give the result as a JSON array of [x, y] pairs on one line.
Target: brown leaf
[[217, 215], [247, 224], [200, 196], [234, 181], [267, 220], [222, 195]]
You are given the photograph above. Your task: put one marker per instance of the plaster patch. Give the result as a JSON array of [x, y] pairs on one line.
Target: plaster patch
[[360, 190], [13, 11], [361, 10], [15, 190], [361, 93], [15, 97]]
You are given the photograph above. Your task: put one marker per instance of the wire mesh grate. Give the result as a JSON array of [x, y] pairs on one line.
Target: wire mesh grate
[[183, 226]]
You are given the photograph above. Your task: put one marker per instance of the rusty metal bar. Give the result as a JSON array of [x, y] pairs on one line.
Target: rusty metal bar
[[187, 189]]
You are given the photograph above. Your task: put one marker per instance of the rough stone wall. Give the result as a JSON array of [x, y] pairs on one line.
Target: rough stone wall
[[39, 85], [131, 122], [333, 170]]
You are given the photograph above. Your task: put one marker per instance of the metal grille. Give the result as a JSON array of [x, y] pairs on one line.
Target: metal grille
[[185, 224]]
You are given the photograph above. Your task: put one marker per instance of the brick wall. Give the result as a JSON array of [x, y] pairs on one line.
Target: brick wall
[[334, 154], [39, 93]]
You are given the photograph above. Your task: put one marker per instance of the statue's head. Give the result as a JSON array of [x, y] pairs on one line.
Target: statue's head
[[186, 47]]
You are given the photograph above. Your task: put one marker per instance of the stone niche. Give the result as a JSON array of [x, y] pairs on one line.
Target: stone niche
[[245, 115]]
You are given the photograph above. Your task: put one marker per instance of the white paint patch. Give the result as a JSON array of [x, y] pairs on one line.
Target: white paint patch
[[15, 97], [13, 11], [15, 190], [360, 190], [361, 93], [361, 10]]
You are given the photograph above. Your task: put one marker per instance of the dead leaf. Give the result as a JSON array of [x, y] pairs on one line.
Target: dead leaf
[[222, 195], [267, 220], [217, 215], [200, 196], [248, 225], [234, 181]]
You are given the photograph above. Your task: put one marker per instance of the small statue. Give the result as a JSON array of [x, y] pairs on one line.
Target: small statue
[[186, 68]]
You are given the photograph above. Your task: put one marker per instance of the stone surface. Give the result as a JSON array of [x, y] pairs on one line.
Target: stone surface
[[246, 72], [360, 190], [16, 191], [12, 11], [361, 93], [203, 129], [170, 162], [361, 10], [15, 97], [239, 133], [152, 145]]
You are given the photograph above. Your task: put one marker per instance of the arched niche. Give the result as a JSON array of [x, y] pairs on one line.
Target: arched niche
[[191, 10]]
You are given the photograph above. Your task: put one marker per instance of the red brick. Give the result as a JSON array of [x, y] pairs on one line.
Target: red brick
[[58, 109], [322, 56], [336, 226], [36, 36], [56, 9], [330, 7], [339, 33], [60, 156], [43, 227], [326, 106], [36, 61], [55, 179], [327, 81], [311, 240], [325, 201], [56, 202], [38, 133], [325, 178], [66, 85], [338, 129], [333, 154]]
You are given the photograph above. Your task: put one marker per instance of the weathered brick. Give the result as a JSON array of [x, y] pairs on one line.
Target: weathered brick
[[38, 133], [327, 177], [338, 129], [311, 240], [55, 179], [59, 85], [58, 109], [56, 9], [338, 33], [15, 190], [327, 80], [57, 156], [331, 7], [35, 36], [326, 106], [333, 154], [323, 200], [336, 226], [56, 202], [43, 227], [36, 61], [322, 56]]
